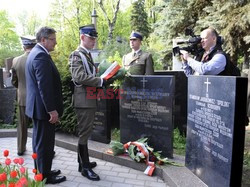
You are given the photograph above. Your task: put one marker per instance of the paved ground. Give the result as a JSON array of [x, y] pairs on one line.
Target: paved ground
[[111, 174]]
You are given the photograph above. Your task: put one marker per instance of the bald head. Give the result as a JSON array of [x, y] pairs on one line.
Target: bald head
[[209, 38]]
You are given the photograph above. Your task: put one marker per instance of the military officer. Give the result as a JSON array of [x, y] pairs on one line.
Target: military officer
[[83, 71], [18, 80], [138, 62]]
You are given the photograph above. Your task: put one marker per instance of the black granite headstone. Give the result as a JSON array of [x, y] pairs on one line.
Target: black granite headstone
[[216, 128], [7, 101], [146, 108], [180, 97], [106, 116], [1, 78]]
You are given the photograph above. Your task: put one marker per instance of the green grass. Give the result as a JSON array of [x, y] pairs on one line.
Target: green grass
[[7, 126], [179, 143], [246, 170]]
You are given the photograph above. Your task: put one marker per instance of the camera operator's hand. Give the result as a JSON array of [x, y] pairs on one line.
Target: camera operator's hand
[[184, 55]]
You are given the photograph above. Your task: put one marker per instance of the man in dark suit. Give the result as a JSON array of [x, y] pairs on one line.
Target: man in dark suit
[[19, 81], [44, 101], [138, 62], [83, 73]]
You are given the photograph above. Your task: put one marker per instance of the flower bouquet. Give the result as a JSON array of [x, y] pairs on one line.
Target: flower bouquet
[[111, 71], [16, 175], [140, 151]]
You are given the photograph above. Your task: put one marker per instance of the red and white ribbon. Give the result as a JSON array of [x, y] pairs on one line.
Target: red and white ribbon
[[142, 148]]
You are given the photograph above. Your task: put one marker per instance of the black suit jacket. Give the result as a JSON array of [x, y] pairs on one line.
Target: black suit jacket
[[43, 84]]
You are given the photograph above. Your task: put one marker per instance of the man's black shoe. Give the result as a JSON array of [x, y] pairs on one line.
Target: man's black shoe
[[20, 154], [91, 164], [55, 172], [90, 174], [55, 179]]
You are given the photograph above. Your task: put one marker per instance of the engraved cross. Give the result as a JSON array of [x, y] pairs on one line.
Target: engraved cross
[[143, 82], [207, 83]]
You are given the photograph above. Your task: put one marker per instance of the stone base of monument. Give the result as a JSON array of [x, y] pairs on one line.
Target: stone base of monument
[[172, 175]]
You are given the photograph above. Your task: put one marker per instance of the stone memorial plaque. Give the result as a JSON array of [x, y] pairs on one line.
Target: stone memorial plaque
[[146, 108], [7, 108], [180, 97], [106, 115], [1, 79], [216, 128]]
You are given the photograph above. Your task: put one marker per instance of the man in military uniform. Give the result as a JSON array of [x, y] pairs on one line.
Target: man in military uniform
[[18, 80], [83, 71], [138, 62]]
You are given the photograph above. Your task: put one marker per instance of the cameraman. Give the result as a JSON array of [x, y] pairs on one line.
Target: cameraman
[[213, 62]]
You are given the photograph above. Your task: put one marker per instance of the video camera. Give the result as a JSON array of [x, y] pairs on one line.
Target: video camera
[[194, 42]]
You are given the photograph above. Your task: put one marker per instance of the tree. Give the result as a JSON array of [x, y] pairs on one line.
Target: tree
[[152, 15], [29, 23], [10, 43], [115, 5], [139, 18], [232, 20]]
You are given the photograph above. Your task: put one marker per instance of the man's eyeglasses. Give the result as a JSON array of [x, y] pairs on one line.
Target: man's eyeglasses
[[52, 39]]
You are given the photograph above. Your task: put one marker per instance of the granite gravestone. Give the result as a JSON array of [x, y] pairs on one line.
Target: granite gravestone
[[216, 128], [7, 100], [146, 108], [8, 65], [180, 97], [1, 78], [106, 116]]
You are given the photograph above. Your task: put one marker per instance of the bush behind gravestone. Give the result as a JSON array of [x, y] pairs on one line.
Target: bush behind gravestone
[[68, 119]]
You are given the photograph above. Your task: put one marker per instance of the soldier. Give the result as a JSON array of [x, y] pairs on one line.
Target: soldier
[[138, 62], [83, 72], [18, 80]]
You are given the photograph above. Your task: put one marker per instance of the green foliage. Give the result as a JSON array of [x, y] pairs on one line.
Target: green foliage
[[115, 50], [10, 45], [246, 169], [139, 18], [29, 23], [179, 143], [117, 148], [6, 126], [115, 134], [68, 119], [116, 58], [246, 161]]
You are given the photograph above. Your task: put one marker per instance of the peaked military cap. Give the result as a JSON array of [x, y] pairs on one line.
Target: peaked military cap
[[28, 40], [136, 35], [89, 30]]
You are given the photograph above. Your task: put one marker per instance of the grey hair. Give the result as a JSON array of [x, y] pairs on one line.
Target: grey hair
[[44, 32]]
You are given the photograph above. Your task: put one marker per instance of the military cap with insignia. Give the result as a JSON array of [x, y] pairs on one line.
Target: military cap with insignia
[[136, 35], [89, 30], [28, 40]]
